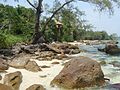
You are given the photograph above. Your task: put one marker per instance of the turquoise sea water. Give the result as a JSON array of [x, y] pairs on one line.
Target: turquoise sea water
[[111, 72]]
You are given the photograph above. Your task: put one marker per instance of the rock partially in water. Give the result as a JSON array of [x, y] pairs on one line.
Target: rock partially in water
[[5, 87], [79, 73], [111, 49], [115, 86], [32, 66], [103, 63], [36, 87], [13, 80], [115, 63]]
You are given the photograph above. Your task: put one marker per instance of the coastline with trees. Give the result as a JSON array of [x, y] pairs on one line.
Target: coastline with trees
[[55, 47]]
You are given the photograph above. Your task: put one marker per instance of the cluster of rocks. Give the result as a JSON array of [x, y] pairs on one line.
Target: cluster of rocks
[[19, 57], [55, 47], [12, 81], [44, 51], [22, 61], [79, 72], [98, 42]]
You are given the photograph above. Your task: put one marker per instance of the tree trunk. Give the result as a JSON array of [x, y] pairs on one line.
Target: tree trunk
[[37, 23], [38, 35]]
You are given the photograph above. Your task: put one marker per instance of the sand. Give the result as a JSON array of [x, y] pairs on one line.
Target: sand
[[43, 77]]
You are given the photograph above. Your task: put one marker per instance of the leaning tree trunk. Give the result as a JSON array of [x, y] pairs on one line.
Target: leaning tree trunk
[[36, 30], [38, 36]]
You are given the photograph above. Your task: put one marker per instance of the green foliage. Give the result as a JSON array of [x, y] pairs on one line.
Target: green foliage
[[3, 43], [19, 20], [7, 40], [17, 25], [114, 36], [74, 27]]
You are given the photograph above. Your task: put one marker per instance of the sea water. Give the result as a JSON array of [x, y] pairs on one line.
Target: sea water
[[110, 72]]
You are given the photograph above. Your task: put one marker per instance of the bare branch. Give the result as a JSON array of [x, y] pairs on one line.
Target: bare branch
[[31, 4], [55, 12]]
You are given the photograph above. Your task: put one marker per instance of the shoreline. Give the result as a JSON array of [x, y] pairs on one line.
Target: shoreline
[[45, 76]]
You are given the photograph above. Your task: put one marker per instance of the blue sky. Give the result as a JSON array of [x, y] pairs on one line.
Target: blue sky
[[102, 21]]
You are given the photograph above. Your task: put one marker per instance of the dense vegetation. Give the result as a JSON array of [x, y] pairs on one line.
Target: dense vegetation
[[17, 25]]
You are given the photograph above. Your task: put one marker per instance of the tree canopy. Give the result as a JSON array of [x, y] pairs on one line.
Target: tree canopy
[[30, 22]]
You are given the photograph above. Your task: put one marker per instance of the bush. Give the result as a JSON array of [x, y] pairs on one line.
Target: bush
[[3, 43], [8, 40]]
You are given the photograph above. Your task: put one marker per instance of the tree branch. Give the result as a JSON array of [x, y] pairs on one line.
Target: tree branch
[[55, 12], [31, 4]]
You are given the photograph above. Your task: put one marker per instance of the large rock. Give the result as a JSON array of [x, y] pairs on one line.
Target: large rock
[[20, 61], [3, 65], [5, 87], [13, 80], [36, 87], [111, 49], [79, 73], [32, 66]]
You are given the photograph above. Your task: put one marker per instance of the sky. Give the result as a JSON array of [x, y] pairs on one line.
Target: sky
[[101, 21]]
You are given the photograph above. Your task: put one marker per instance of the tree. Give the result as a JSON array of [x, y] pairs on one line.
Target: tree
[[114, 36], [39, 34]]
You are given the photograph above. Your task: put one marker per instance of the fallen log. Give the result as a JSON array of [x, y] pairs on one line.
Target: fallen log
[[53, 49]]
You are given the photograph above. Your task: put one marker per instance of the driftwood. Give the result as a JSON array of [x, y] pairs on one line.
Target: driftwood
[[53, 49]]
